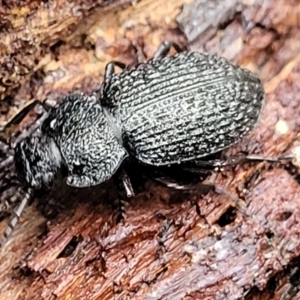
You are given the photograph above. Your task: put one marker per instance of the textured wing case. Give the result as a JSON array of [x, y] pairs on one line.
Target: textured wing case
[[183, 107], [87, 144]]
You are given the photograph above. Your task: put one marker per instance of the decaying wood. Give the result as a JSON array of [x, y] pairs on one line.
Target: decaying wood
[[68, 244]]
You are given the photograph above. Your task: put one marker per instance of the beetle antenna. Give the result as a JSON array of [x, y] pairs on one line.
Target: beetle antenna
[[17, 214]]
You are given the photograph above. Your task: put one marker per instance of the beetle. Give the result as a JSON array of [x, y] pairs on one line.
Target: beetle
[[170, 111]]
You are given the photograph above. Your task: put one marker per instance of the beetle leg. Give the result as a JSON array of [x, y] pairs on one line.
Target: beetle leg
[[232, 161], [165, 48], [25, 133], [162, 235], [174, 184], [9, 155], [17, 214], [175, 177], [109, 72], [140, 55], [254, 158], [19, 117], [204, 188], [127, 184], [119, 206], [268, 158], [9, 128], [6, 162], [110, 68], [123, 183]]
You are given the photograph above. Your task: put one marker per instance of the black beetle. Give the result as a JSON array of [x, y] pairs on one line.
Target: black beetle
[[168, 111]]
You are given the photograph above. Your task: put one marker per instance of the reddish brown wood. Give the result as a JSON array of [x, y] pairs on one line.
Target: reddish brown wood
[[163, 249]]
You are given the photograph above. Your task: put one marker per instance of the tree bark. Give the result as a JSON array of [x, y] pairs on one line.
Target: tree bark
[[68, 244]]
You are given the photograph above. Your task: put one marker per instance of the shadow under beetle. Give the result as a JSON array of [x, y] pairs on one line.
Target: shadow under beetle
[[171, 110]]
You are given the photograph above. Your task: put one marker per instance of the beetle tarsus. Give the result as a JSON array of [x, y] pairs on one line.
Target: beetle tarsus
[[17, 214], [233, 161], [164, 48], [119, 207], [110, 68]]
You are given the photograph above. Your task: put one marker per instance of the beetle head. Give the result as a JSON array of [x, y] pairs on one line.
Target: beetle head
[[38, 162]]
